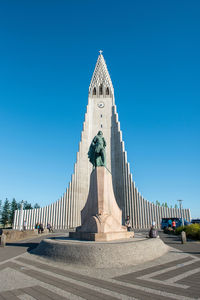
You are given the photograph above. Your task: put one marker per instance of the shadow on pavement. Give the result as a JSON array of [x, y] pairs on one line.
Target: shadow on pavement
[[30, 246]]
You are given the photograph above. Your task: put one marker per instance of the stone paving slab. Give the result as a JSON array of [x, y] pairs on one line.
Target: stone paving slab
[[173, 276], [191, 247], [20, 247]]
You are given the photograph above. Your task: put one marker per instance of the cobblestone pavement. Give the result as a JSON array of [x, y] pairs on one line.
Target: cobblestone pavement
[[173, 276]]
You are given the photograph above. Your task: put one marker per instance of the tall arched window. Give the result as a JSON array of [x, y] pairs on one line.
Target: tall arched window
[[101, 89], [94, 91], [107, 91]]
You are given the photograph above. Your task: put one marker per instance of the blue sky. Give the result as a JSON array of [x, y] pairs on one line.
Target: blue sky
[[48, 51]]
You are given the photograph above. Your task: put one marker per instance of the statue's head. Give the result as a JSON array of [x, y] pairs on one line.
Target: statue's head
[[100, 133]]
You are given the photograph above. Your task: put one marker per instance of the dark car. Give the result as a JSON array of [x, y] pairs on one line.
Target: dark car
[[195, 221], [167, 222], [179, 223]]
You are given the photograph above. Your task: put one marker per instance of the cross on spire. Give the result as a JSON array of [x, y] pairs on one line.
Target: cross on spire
[[100, 51]]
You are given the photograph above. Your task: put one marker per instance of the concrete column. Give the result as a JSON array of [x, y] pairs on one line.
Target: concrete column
[[162, 212], [37, 215], [153, 216], [25, 217], [33, 219], [140, 210], [48, 214], [67, 208], [58, 212], [30, 219], [168, 212], [138, 207], [189, 215], [55, 214], [15, 220], [76, 197], [134, 206], [72, 202], [132, 202], [158, 214], [21, 216], [149, 214], [145, 213], [51, 215], [184, 213], [64, 211], [61, 212], [45, 216], [42, 215], [70, 206]]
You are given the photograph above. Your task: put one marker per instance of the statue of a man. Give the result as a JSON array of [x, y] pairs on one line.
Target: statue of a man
[[97, 154]]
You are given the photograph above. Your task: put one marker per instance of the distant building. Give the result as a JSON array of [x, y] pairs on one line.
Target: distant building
[[101, 114]]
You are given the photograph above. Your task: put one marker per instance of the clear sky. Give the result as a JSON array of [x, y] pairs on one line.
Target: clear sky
[[48, 51]]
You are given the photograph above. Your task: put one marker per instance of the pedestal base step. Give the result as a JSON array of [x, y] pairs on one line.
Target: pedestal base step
[[113, 254], [101, 237]]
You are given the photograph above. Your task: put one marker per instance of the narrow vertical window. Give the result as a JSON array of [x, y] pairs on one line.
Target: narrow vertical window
[[94, 91], [101, 89], [107, 91]]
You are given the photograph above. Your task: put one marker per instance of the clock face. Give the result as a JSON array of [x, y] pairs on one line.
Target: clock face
[[100, 104]]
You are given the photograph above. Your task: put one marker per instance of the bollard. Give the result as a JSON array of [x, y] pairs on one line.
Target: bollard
[[2, 240], [183, 237]]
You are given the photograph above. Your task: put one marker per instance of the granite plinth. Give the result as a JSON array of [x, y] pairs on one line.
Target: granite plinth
[[101, 217], [109, 236], [101, 254]]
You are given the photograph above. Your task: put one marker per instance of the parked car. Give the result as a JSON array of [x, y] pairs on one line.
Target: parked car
[[179, 223], [167, 222], [195, 221]]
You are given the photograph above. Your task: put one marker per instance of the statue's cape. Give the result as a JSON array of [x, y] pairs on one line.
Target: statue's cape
[[91, 154]]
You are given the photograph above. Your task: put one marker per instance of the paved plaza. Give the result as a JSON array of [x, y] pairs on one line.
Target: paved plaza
[[176, 275]]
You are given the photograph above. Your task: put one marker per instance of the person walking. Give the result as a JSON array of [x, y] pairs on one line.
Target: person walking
[[174, 224]]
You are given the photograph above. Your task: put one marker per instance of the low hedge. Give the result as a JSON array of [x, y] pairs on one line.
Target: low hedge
[[192, 231]]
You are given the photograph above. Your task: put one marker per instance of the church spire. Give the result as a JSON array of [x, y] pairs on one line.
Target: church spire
[[101, 83]]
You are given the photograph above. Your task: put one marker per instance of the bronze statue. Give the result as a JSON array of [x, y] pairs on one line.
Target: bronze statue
[[97, 154]]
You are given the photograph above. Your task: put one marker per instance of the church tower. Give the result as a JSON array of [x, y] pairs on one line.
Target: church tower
[[101, 114]]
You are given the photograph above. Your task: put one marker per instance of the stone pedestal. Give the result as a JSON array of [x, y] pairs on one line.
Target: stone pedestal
[[101, 218]]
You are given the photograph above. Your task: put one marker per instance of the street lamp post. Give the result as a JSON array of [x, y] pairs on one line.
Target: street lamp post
[[181, 209]]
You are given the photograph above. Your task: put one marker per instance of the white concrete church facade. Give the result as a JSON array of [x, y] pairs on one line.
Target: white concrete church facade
[[101, 115]]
